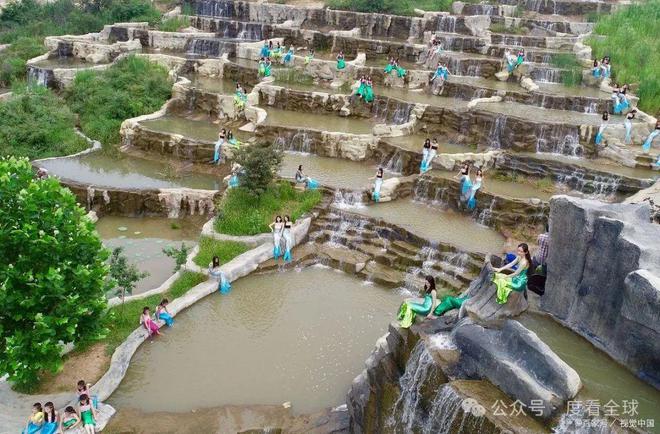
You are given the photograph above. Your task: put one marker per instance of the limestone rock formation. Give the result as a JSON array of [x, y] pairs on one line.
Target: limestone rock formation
[[651, 196], [482, 307], [518, 362], [604, 279]]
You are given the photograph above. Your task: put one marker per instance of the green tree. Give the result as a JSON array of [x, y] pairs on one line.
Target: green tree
[[260, 166], [52, 273], [179, 255], [123, 274]]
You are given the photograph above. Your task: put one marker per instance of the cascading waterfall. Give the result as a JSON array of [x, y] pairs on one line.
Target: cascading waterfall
[[401, 113], [558, 139], [598, 186], [394, 163], [298, 142], [451, 413], [345, 225], [38, 76], [425, 191], [210, 47], [495, 133], [545, 74], [347, 199], [406, 413], [486, 214], [214, 8], [591, 108], [447, 23]]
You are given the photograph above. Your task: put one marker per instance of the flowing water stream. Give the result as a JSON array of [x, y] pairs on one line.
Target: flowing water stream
[[296, 336], [317, 121]]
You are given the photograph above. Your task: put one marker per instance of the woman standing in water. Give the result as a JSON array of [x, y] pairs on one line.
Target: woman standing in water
[[464, 182], [601, 129], [649, 140], [628, 124], [516, 281], [378, 183], [276, 228], [287, 234], [214, 270], [425, 155]]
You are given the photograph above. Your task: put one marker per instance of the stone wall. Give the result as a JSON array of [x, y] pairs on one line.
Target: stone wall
[[604, 279]]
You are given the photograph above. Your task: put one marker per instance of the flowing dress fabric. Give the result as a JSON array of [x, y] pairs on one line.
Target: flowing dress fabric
[[288, 56], [388, 68], [164, 316], [506, 284], [32, 428], [288, 244], [599, 134], [628, 124], [277, 242], [369, 93], [265, 52], [233, 181], [596, 71], [424, 164], [151, 326], [49, 428], [216, 150], [341, 64], [466, 188], [649, 140], [377, 185], [410, 309], [400, 72], [472, 201]]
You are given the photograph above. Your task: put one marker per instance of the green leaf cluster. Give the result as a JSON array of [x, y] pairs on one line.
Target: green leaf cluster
[[52, 273]]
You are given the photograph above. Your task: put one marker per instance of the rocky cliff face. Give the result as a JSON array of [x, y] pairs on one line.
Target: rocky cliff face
[[604, 279]]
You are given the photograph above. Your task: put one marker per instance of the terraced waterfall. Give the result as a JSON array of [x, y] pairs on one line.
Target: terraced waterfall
[[291, 348]]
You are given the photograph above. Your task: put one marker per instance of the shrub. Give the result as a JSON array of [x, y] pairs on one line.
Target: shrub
[[35, 123], [180, 255], [260, 166], [631, 37], [572, 74], [104, 99], [124, 275], [53, 273], [396, 7]]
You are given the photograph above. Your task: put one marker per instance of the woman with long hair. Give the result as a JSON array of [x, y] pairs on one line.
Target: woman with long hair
[[378, 183], [602, 128], [148, 323], [646, 147], [425, 155], [472, 201], [411, 308], [516, 281], [214, 270], [276, 228], [163, 314], [51, 419], [628, 124], [341, 62]]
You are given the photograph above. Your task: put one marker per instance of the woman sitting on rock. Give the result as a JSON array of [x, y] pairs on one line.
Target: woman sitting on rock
[[51, 419], [70, 420], [378, 183], [148, 323], [214, 270], [163, 314], [36, 419], [472, 201], [301, 178], [429, 306], [516, 281]]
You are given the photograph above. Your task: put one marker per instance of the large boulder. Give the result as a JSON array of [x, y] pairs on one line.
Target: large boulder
[[519, 363], [604, 279], [482, 306]]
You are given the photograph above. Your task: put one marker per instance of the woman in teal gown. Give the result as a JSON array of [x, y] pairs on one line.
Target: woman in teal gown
[[429, 306], [516, 281]]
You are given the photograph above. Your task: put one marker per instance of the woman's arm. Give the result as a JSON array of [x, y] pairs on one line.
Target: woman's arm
[[509, 265], [522, 267], [270, 226]]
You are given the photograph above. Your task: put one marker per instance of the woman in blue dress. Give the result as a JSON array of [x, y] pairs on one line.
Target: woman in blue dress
[[602, 128]]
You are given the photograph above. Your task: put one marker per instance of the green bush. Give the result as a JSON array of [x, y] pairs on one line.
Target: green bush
[[240, 213], [13, 59], [572, 74], [396, 7], [631, 37], [260, 165], [34, 123], [224, 250], [53, 274], [104, 99], [173, 24]]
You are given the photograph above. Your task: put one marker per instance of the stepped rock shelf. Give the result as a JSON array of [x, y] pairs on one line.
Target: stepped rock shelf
[[355, 260]]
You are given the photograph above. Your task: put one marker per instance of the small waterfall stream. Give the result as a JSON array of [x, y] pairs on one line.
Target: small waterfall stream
[[300, 141], [495, 133]]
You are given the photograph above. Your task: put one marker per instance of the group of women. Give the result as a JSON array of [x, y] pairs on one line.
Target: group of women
[[469, 188], [282, 235], [46, 420], [162, 313], [507, 279], [627, 123], [602, 67], [240, 97], [429, 151], [365, 89], [393, 65], [223, 136]]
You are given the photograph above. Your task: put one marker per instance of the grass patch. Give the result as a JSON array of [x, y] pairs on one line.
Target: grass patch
[[173, 24], [25, 23], [121, 321], [240, 213], [225, 250], [35, 123], [395, 7], [104, 99], [545, 184], [631, 37], [514, 30], [572, 74]]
